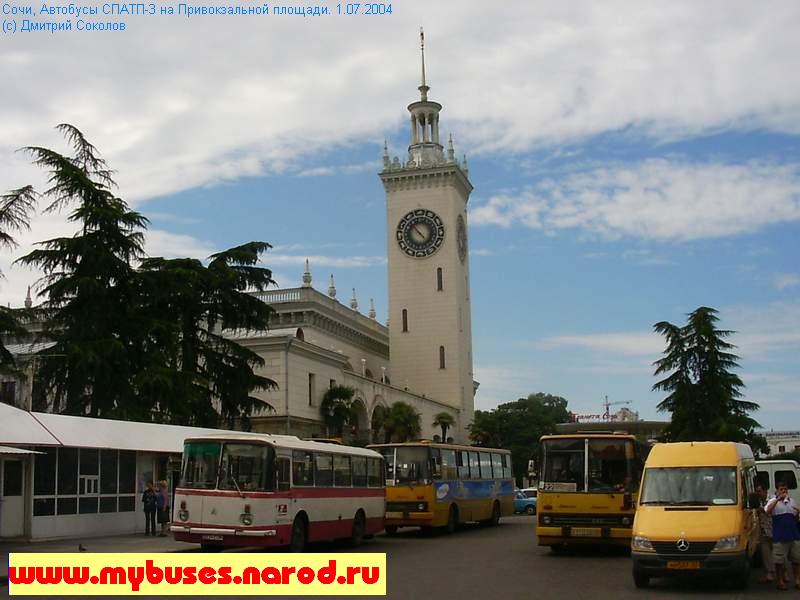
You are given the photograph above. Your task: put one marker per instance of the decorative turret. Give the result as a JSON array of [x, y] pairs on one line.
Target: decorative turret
[[425, 149], [28, 301], [307, 276], [354, 301], [372, 314], [332, 288]]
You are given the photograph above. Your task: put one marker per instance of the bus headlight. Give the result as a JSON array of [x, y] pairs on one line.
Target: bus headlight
[[183, 515], [422, 506], [639, 542], [626, 521], [246, 519], [729, 542], [546, 520]]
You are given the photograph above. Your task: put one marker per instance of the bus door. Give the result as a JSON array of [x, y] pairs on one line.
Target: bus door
[[285, 504]]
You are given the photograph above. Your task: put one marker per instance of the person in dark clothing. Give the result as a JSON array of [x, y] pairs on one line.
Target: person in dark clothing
[[162, 503], [150, 503]]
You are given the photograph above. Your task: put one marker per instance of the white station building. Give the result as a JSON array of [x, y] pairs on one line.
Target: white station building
[[421, 356]]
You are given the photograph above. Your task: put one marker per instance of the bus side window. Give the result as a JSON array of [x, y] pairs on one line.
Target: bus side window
[[359, 464], [436, 463], [449, 469], [486, 464], [302, 468], [497, 466], [284, 467], [474, 466], [506, 465], [463, 464], [341, 471], [376, 472], [323, 470]]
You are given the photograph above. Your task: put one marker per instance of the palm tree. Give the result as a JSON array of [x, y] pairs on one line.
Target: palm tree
[[444, 420], [335, 408], [402, 422]]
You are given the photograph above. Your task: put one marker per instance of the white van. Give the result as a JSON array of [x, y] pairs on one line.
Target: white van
[[770, 472]]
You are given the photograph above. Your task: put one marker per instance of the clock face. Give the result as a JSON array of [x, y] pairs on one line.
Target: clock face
[[461, 238], [420, 233]]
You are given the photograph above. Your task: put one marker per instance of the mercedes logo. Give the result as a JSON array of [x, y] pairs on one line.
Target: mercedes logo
[[682, 545]]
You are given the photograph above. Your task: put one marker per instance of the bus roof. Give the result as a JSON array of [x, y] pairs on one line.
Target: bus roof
[[427, 444], [698, 454], [592, 435], [287, 441]]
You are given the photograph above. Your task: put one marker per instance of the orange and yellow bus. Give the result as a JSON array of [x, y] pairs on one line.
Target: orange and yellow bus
[[432, 485], [587, 486]]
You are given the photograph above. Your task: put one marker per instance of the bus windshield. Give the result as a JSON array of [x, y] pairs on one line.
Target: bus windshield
[[589, 464], [247, 467], [406, 465], [701, 486], [200, 463]]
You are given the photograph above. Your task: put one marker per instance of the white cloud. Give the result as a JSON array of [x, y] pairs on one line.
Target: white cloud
[[787, 280], [631, 343], [325, 261], [176, 104], [366, 167], [175, 245], [655, 199]]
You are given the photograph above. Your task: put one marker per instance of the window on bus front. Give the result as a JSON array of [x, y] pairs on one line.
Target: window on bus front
[[689, 486], [247, 468], [563, 462], [610, 465], [412, 466], [199, 465]]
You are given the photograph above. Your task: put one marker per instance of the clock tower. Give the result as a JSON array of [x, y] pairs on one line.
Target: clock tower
[[430, 337]]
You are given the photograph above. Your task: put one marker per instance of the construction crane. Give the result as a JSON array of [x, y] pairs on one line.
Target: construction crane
[[607, 405]]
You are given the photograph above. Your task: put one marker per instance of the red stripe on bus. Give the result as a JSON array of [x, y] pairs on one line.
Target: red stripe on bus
[[294, 493]]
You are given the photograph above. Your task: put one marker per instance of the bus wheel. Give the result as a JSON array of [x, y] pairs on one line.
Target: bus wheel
[[452, 519], [359, 528], [299, 535], [391, 530]]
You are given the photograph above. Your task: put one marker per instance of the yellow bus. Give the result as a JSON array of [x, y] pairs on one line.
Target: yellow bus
[[432, 485], [587, 483]]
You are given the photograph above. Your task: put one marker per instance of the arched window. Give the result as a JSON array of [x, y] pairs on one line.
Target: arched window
[[299, 334], [405, 320], [441, 357], [439, 279]]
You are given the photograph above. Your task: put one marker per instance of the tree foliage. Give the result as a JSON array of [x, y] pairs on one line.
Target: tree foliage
[[443, 420], [336, 408], [139, 342], [703, 394], [518, 425], [401, 422]]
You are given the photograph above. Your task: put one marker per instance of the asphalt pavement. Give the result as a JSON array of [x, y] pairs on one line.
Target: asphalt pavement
[[504, 563]]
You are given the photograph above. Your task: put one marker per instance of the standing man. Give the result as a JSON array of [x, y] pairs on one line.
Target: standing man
[[765, 531], [785, 534], [149, 502]]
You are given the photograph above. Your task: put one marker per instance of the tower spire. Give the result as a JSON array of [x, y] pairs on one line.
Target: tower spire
[[423, 88]]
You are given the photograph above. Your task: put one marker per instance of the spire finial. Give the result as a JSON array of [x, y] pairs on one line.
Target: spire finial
[[332, 289], [354, 301], [451, 152], [307, 276], [386, 162], [372, 314], [28, 301], [423, 88]]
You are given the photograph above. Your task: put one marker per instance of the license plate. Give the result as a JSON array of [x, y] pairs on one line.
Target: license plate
[[213, 538], [583, 532], [683, 565], [394, 515]]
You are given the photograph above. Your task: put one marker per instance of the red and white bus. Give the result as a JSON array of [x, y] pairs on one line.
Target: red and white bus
[[276, 490]]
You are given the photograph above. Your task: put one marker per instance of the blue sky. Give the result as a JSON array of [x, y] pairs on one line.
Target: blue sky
[[631, 162]]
